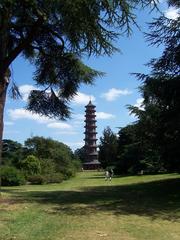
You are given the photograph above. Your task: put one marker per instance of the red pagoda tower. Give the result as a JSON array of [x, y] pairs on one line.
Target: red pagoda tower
[[91, 161]]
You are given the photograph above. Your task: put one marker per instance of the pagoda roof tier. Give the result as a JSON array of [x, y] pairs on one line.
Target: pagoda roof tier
[[90, 145], [90, 110], [90, 138], [90, 148], [92, 162], [90, 126], [90, 107], [90, 120], [90, 132], [87, 138], [90, 104], [93, 154], [90, 115]]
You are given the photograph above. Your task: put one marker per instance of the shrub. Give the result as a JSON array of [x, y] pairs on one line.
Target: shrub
[[42, 179], [10, 176], [31, 165], [36, 179], [54, 178]]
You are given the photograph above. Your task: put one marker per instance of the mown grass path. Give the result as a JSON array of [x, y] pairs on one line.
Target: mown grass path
[[90, 208]]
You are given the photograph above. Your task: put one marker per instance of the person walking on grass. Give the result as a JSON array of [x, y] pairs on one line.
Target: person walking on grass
[[106, 175], [110, 174]]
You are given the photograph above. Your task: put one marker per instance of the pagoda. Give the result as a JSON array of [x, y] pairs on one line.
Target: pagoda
[[91, 161]]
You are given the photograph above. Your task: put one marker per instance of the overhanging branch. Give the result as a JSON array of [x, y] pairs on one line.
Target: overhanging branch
[[24, 43]]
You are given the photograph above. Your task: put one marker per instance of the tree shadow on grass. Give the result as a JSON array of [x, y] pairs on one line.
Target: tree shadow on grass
[[157, 199]]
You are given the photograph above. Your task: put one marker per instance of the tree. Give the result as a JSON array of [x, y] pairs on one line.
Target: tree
[[31, 165], [128, 149], [13, 153], [54, 156], [53, 35], [108, 148], [160, 119], [161, 92], [164, 31], [80, 154]]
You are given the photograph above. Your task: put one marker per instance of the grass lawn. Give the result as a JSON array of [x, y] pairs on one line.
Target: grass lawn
[[90, 208]]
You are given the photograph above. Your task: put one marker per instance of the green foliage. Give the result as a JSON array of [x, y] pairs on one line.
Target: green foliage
[[37, 179], [80, 154], [47, 166], [10, 176], [13, 154], [44, 179], [42, 160], [158, 128], [108, 148], [54, 178], [160, 119], [54, 35], [55, 157], [31, 165], [165, 31], [129, 151]]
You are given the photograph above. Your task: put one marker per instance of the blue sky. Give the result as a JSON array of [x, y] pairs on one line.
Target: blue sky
[[111, 93]]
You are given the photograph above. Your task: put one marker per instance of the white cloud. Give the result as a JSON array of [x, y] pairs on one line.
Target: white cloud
[[82, 98], [8, 123], [172, 13], [25, 91], [20, 113], [59, 125], [103, 115], [139, 103], [114, 93]]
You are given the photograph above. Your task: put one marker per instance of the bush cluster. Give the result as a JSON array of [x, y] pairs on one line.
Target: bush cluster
[[44, 179], [40, 161], [10, 176]]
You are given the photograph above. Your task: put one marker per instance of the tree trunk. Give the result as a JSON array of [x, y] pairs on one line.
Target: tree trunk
[[3, 90]]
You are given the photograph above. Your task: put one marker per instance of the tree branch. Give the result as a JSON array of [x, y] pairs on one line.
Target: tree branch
[[24, 43]]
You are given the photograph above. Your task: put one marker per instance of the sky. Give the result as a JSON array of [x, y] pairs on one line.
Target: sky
[[111, 93]]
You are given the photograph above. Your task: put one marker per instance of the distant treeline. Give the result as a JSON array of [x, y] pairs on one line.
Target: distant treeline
[[40, 160]]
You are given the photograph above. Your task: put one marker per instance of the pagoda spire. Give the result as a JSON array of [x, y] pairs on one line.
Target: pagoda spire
[[91, 161]]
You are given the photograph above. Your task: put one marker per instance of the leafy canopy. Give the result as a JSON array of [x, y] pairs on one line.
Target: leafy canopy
[[158, 122], [54, 35], [108, 148]]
